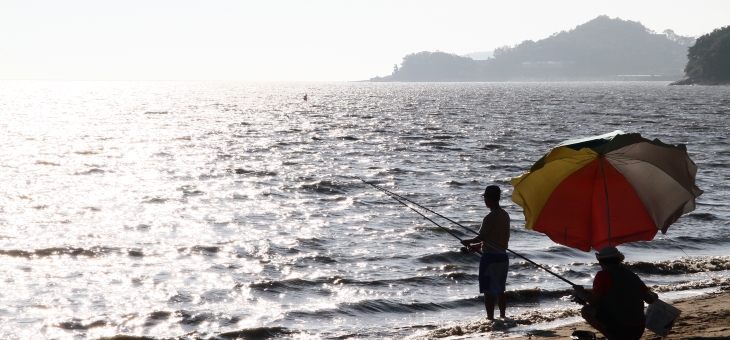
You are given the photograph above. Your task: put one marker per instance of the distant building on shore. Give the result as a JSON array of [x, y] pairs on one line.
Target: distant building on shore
[[544, 64]]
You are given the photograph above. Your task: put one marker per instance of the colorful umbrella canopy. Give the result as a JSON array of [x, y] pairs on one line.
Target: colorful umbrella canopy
[[607, 190]]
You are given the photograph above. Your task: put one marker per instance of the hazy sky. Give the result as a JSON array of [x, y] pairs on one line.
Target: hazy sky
[[291, 40]]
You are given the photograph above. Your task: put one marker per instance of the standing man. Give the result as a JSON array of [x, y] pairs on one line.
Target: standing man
[[616, 303], [494, 236]]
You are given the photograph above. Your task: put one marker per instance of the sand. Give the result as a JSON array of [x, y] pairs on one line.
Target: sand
[[703, 317]]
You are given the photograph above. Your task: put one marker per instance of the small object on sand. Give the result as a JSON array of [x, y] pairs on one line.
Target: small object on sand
[[583, 335], [660, 317]]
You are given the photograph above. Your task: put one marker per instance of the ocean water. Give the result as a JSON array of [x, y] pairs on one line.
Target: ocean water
[[208, 210]]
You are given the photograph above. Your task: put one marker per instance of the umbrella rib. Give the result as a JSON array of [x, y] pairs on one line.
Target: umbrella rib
[[622, 160], [625, 149], [608, 211], [577, 160]]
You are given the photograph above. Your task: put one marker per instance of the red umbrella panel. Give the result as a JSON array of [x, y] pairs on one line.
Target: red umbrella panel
[[607, 190]]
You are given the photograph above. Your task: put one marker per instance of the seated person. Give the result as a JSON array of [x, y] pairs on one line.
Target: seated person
[[616, 304]]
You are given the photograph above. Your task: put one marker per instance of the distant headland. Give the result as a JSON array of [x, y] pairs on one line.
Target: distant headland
[[600, 49], [709, 60]]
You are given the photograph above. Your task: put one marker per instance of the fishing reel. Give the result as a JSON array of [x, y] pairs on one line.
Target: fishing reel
[[470, 249], [577, 299]]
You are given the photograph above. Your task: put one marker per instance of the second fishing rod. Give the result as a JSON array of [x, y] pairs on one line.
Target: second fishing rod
[[401, 200]]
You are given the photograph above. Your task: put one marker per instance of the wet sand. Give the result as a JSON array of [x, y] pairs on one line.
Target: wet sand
[[703, 317]]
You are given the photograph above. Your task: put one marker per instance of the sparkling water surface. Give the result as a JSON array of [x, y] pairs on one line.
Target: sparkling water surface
[[224, 210]]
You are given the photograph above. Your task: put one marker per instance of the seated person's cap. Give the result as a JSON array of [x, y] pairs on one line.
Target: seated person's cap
[[609, 252]]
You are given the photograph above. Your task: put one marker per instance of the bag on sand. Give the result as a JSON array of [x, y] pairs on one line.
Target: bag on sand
[[660, 317]]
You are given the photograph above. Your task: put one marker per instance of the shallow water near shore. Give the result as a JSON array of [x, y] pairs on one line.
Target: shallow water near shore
[[224, 210]]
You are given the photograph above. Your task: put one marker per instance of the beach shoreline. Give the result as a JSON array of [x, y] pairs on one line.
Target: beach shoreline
[[704, 316]]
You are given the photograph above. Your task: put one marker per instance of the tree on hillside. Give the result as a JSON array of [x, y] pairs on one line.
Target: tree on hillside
[[600, 48], [709, 57], [603, 46], [684, 41], [434, 66]]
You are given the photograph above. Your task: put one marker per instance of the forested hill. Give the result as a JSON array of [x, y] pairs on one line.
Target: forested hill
[[709, 59], [600, 48]]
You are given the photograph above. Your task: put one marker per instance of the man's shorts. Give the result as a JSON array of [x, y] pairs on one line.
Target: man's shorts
[[493, 272]]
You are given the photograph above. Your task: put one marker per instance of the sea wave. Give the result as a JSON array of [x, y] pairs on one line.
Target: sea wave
[[326, 187], [253, 333], [256, 333], [433, 228], [78, 324], [448, 257], [58, 251], [689, 265], [298, 284], [260, 173], [681, 266], [484, 326], [92, 171], [378, 306], [371, 307], [693, 285]]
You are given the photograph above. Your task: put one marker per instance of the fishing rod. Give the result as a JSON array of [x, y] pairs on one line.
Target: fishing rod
[[392, 194], [430, 220], [479, 236]]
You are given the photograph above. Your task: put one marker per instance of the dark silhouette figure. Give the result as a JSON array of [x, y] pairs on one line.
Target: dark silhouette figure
[[305, 97], [494, 263], [616, 303]]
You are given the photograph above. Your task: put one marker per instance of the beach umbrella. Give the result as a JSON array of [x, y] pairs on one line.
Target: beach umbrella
[[607, 190]]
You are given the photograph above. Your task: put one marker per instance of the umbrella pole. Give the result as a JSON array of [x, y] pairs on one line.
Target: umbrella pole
[[605, 189], [492, 243]]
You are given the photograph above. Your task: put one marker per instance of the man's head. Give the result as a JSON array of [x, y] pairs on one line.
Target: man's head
[[491, 195], [609, 256]]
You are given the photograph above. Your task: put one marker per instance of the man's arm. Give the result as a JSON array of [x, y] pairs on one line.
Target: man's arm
[[478, 238], [601, 284], [650, 297], [591, 297], [468, 243]]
